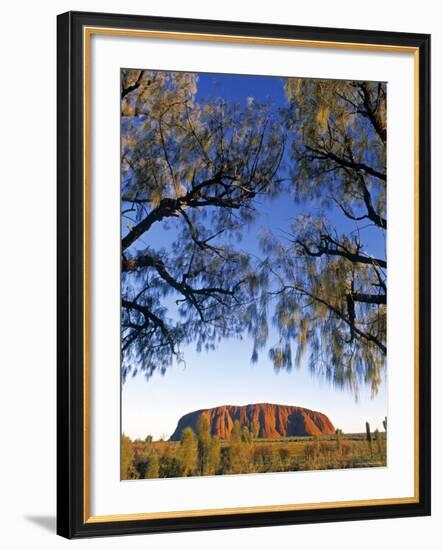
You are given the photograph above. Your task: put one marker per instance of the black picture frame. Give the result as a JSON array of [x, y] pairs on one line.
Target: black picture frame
[[71, 497]]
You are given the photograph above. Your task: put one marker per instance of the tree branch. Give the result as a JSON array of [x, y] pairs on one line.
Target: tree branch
[[346, 163], [190, 293], [195, 198], [132, 87], [339, 250], [371, 212], [370, 112], [380, 299], [149, 316], [366, 336]]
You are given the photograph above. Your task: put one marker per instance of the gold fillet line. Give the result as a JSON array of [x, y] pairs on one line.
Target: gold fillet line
[[87, 33], [416, 274], [250, 40]]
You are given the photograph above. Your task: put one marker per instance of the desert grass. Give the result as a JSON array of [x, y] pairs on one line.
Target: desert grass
[[260, 456]]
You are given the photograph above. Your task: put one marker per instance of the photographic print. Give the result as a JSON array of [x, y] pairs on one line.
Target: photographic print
[[253, 274]]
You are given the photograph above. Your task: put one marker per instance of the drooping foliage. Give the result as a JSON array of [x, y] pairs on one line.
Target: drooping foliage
[[330, 273], [194, 168], [193, 175]]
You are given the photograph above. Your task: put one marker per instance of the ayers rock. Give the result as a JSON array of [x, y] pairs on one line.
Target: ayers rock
[[270, 421]]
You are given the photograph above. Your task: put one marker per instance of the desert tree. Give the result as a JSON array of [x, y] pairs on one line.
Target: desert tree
[[142, 451], [339, 440], [246, 436], [128, 470], [215, 455], [247, 448], [235, 434], [329, 271], [204, 444], [194, 168], [240, 450], [153, 467], [188, 453], [368, 432], [198, 168], [255, 428], [378, 439]]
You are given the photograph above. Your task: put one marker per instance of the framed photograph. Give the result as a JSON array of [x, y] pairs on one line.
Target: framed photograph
[[229, 196]]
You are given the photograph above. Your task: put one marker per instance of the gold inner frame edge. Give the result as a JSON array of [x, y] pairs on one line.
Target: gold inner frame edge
[[87, 33]]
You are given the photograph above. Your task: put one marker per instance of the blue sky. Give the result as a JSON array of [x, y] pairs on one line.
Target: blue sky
[[226, 375]]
